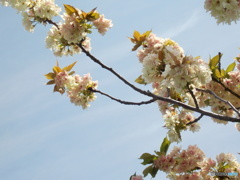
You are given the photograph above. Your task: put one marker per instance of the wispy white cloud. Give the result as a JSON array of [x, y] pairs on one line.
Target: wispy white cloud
[[183, 26]]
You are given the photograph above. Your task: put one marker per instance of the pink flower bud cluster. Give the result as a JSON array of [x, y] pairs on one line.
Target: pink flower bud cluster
[[34, 12], [224, 11], [77, 88], [193, 164], [180, 161]]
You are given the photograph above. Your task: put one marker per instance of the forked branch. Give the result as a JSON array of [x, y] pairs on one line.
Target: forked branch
[[155, 97]]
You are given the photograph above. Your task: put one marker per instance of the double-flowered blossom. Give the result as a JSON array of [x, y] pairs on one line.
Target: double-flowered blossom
[[77, 87], [164, 62], [178, 76], [175, 122], [61, 46], [172, 74], [33, 12], [65, 38], [46, 9], [102, 24], [224, 11], [20, 5]]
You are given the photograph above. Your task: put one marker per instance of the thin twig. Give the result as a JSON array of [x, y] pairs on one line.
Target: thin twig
[[216, 96], [148, 93], [121, 101], [196, 120], [193, 96]]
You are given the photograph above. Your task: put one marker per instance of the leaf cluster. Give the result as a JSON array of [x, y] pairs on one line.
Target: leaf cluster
[[215, 66], [139, 39], [82, 17]]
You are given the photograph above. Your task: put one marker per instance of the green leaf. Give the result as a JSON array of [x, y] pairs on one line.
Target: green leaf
[[223, 73], [70, 9], [214, 62], [217, 73], [92, 15], [231, 67], [140, 80], [165, 145], [147, 158], [150, 170]]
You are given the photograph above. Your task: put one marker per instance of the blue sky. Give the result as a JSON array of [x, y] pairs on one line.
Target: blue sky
[[44, 136]]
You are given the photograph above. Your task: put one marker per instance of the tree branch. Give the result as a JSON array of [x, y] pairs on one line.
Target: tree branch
[[148, 93], [227, 102], [53, 23], [196, 120], [226, 88], [121, 101]]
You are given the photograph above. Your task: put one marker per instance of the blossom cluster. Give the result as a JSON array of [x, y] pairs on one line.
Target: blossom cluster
[[65, 39], [77, 88], [178, 76], [34, 12], [172, 74], [175, 122], [193, 164], [165, 63], [224, 11], [220, 107]]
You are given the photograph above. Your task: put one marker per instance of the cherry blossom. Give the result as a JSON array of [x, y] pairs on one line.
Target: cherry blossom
[[225, 11]]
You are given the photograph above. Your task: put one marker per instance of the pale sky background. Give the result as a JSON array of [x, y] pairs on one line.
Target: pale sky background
[[45, 137]]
